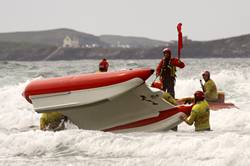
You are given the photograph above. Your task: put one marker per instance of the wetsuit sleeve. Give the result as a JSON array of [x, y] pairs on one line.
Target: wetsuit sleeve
[[177, 62], [166, 96], [158, 69], [191, 118]]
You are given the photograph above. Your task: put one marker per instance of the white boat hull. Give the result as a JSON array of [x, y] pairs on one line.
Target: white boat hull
[[107, 107]]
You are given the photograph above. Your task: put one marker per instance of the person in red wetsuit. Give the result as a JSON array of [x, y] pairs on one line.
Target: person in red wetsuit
[[103, 65], [166, 69]]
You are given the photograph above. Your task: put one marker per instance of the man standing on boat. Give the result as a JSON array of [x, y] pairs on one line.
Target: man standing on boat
[[166, 69], [103, 65], [209, 88]]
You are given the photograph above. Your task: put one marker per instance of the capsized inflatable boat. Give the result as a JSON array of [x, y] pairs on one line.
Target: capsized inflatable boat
[[111, 101], [215, 105]]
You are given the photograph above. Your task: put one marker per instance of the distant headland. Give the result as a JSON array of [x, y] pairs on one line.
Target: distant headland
[[67, 44]]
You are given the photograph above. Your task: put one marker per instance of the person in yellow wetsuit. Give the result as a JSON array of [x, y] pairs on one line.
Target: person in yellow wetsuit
[[166, 96], [209, 88], [52, 121], [200, 113]]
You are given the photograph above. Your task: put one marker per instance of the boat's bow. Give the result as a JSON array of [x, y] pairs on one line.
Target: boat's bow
[[114, 101]]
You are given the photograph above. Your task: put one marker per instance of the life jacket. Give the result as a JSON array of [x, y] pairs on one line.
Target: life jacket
[[103, 65], [168, 70]]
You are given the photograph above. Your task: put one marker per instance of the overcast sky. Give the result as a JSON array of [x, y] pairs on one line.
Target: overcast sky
[[156, 19]]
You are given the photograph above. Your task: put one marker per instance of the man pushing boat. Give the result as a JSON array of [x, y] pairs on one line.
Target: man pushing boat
[[200, 113]]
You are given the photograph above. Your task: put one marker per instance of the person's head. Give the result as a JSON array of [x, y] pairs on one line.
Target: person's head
[[167, 53], [199, 96], [157, 84], [206, 75], [103, 65]]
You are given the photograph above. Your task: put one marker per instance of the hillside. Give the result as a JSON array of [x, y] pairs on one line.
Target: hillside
[[47, 45], [24, 51], [131, 42], [50, 37], [230, 47], [56, 37]]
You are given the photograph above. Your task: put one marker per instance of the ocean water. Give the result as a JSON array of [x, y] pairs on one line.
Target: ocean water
[[22, 143]]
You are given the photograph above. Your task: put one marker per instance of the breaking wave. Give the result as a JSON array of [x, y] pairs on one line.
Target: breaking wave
[[23, 143]]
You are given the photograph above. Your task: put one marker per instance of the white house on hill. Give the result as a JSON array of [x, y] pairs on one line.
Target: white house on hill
[[71, 42]]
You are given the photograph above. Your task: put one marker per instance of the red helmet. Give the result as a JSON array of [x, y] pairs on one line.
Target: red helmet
[[103, 65], [166, 50], [157, 84], [199, 96]]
